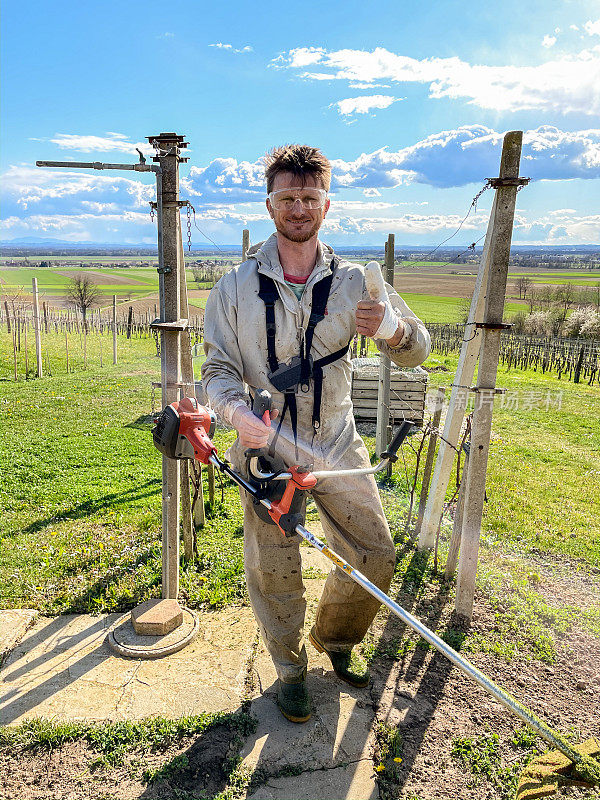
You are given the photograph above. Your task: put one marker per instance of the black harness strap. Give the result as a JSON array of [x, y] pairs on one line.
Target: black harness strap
[[318, 381], [269, 295]]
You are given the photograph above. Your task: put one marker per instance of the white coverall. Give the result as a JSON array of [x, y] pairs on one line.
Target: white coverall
[[350, 509]]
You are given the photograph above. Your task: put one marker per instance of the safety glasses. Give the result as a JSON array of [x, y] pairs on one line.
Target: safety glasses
[[284, 199]]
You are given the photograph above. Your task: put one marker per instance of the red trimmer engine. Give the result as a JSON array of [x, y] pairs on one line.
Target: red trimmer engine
[[184, 430]]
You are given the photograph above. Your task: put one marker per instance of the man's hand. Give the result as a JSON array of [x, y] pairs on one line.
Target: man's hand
[[252, 431], [369, 315]]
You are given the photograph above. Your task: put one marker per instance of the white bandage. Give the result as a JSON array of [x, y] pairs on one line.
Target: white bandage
[[389, 324]]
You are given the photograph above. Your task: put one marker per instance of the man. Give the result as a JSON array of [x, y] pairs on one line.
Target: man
[[257, 320]]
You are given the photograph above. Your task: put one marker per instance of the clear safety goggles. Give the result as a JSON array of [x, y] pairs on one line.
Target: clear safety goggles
[[284, 199]]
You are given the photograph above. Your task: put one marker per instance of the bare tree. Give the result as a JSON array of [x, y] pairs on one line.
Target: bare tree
[[565, 296], [523, 285], [83, 293]]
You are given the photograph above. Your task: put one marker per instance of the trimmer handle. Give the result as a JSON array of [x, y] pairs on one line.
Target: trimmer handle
[[401, 434], [262, 406]]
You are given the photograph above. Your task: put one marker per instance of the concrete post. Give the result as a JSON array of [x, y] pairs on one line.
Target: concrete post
[[486, 373], [36, 324], [459, 397], [170, 327]]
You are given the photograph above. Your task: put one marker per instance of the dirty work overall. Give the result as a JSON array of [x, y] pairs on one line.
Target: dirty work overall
[[350, 509]]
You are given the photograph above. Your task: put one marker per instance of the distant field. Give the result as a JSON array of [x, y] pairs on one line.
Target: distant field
[[436, 308], [434, 295], [134, 283]]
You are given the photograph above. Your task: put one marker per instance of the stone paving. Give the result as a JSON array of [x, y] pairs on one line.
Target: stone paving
[[64, 668]]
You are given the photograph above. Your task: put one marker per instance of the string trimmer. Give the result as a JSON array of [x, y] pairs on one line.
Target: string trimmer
[[184, 429]]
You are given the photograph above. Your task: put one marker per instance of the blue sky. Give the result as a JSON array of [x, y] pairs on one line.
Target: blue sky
[[408, 99]]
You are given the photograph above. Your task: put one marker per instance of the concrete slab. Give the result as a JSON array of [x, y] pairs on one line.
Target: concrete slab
[[351, 782], [14, 624], [64, 668], [337, 741]]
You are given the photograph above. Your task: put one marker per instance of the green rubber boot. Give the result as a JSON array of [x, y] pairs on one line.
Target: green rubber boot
[[293, 700], [347, 665]]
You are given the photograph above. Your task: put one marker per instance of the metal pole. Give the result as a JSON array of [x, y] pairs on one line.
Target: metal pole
[[382, 434], [470, 670], [486, 373], [36, 323]]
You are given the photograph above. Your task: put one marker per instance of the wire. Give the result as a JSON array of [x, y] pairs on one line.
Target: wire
[[473, 205], [202, 232]]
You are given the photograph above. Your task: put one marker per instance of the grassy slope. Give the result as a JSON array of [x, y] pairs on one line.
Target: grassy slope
[[81, 490]]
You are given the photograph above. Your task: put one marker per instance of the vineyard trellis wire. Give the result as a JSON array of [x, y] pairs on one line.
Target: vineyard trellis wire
[[576, 359]]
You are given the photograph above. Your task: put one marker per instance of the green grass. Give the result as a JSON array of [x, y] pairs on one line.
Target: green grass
[[438, 308], [481, 756], [80, 497], [81, 510]]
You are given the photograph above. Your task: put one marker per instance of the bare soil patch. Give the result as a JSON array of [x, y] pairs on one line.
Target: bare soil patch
[[415, 692], [100, 277]]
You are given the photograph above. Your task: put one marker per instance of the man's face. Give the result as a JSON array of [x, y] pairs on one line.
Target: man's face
[[298, 224]]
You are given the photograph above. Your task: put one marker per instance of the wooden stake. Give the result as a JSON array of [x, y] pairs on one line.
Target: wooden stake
[[211, 484], [245, 243], [36, 323], [8, 328], [14, 338], [114, 327], [67, 350], [457, 526], [26, 352], [199, 514], [435, 422], [187, 375], [486, 374], [383, 390]]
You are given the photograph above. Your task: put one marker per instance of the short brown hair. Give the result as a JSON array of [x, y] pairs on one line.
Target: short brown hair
[[299, 159]]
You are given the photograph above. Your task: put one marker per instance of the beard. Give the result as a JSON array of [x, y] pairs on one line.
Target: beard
[[297, 236]]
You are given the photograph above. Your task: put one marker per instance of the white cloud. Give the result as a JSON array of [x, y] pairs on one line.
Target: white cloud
[[548, 41], [112, 142], [574, 27], [592, 28], [407, 225], [50, 191], [367, 85], [227, 180], [364, 103], [558, 227], [231, 48], [570, 83]]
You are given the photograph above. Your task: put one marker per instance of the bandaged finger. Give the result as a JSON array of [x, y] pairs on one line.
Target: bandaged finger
[[389, 324]]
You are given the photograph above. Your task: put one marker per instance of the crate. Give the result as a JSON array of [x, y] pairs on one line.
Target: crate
[[408, 388]]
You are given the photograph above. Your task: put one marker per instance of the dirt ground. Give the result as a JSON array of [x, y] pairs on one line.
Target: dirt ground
[[419, 695]]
